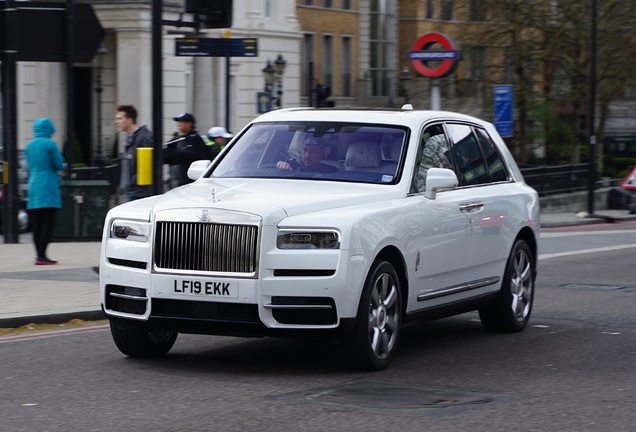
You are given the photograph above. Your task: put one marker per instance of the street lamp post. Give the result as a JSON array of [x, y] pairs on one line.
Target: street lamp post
[[101, 52], [279, 65], [405, 81], [268, 75], [273, 76]]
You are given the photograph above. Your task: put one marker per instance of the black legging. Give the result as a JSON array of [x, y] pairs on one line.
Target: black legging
[[43, 224]]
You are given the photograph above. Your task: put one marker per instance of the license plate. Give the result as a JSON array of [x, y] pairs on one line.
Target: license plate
[[205, 288]]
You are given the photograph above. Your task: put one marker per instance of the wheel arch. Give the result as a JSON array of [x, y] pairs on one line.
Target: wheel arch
[[393, 255], [527, 234]]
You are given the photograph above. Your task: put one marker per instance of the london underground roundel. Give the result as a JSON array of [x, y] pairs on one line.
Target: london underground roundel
[[446, 58]]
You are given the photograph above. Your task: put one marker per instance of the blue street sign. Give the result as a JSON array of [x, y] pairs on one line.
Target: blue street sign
[[263, 102], [503, 110]]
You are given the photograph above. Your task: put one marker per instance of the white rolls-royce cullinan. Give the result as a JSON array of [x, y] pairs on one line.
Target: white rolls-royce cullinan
[[342, 224]]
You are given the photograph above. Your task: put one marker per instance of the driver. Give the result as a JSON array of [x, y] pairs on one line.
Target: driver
[[313, 151]]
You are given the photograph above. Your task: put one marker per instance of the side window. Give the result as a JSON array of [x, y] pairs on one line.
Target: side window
[[432, 153], [494, 162], [470, 162]]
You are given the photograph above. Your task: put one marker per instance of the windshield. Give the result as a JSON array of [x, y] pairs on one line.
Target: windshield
[[337, 151]]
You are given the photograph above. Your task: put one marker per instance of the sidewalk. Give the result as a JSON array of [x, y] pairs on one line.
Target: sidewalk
[[70, 289]]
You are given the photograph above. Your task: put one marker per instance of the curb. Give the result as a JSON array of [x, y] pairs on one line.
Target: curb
[[589, 220], [59, 318]]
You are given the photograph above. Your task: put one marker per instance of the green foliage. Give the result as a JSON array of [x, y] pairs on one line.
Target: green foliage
[[616, 166], [548, 127]]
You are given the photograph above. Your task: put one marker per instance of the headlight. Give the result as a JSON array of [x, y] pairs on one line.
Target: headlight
[[128, 230], [288, 239]]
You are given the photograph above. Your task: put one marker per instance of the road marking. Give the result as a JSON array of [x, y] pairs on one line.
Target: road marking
[[585, 251], [580, 233]]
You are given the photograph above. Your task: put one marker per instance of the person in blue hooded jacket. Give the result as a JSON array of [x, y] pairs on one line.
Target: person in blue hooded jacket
[[44, 197]]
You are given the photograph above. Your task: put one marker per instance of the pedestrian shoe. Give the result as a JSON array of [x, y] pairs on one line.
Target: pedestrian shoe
[[44, 261]]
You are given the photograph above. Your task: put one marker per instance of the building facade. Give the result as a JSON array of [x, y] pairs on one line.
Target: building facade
[[190, 84], [356, 47]]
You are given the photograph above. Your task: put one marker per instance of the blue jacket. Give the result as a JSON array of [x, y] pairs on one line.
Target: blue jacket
[[43, 161]]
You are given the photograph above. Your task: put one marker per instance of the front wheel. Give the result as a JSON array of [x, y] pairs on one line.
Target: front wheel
[[510, 312], [135, 342], [374, 340]]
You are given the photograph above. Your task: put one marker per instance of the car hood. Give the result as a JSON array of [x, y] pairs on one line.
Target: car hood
[[272, 199]]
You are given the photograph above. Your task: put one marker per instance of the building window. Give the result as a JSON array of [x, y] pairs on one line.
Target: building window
[[308, 2], [477, 10], [308, 58], [476, 71], [327, 3], [508, 66], [382, 47], [429, 9], [346, 66], [268, 8], [327, 63], [447, 10], [346, 4]]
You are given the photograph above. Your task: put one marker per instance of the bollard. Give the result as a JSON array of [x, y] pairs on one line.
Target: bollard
[[5, 173], [144, 166]]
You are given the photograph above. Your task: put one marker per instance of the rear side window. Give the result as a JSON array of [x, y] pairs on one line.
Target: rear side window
[[494, 163], [467, 154]]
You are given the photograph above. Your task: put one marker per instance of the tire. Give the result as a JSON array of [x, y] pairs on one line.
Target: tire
[[510, 312], [135, 342], [374, 339]]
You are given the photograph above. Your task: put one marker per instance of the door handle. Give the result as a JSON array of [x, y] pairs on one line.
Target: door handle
[[470, 207]]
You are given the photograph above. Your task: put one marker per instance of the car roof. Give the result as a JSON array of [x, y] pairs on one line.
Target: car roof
[[405, 117]]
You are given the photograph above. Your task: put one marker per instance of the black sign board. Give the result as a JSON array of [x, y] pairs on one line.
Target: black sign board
[[41, 32], [216, 47]]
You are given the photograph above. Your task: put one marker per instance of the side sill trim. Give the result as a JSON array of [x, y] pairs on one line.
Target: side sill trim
[[457, 289]]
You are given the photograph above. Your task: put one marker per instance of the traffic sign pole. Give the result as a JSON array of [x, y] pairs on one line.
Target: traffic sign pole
[[436, 97], [157, 98], [9, 110]]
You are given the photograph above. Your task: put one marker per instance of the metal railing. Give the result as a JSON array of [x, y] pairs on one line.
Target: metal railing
[[110, 172], [551, 180]]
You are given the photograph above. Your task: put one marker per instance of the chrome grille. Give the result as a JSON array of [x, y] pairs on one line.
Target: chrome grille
[[207, 247]]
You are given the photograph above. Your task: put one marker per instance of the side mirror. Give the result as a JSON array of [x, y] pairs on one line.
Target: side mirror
[[438, 179], [197, 168]]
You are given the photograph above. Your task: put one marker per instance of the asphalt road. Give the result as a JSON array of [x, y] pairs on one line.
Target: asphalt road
[[570, 370]]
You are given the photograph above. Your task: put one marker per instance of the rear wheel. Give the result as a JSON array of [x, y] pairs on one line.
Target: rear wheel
[[510, 312], [135, 342], [374, 340]]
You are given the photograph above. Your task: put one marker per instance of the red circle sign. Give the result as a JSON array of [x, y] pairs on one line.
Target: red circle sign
[[447, 65]]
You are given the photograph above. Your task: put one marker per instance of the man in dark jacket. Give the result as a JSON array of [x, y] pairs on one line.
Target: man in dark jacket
[[126, 121], [189, 147]]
